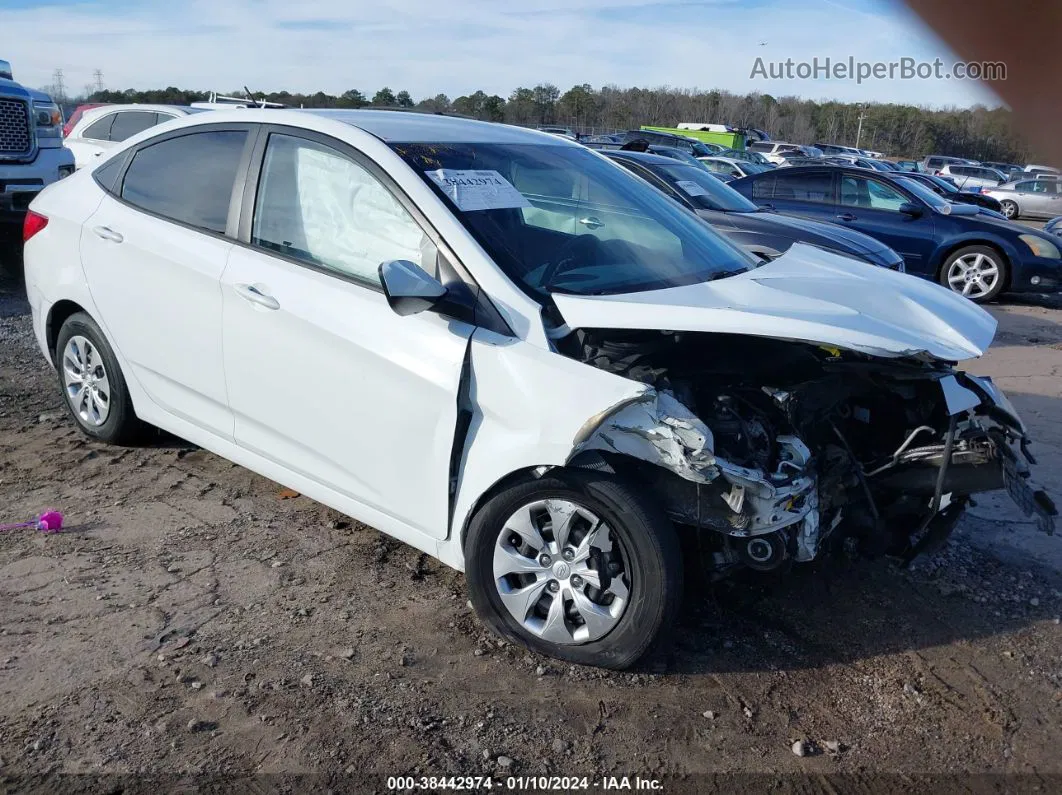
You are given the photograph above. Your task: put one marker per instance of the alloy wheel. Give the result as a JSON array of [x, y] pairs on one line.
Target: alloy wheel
[[560, 573], [85, 380], [974, 275]]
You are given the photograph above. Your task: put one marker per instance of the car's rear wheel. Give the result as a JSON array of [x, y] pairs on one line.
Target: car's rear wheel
[[977, 272], [575, 565], [94, 389], [1009, 209]]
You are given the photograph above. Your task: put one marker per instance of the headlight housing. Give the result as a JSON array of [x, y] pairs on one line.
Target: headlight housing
[[1041, 246], [48, 119]]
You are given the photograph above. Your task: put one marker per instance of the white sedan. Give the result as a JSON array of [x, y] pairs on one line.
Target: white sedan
[[505, 350]]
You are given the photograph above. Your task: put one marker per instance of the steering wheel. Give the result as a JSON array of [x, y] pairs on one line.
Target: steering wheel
[[575, 253]]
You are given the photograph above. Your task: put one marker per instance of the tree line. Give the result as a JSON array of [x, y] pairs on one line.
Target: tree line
[[978, 132]]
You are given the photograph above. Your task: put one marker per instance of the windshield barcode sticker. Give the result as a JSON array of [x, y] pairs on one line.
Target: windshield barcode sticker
[[478, 190], [691, 188]]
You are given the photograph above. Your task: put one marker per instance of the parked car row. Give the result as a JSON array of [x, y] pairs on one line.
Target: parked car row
[[956, 244]]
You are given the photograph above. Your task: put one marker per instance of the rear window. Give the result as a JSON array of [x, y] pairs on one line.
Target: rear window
[[813, 187], [188, 179]]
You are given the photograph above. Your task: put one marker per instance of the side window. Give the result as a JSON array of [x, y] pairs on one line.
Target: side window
[[815, 187], [763, 188], [761, 146], [106, 175], [128, 123], [1024, 187], [187, 179], [874, 195], [319, 206], [100, 130]]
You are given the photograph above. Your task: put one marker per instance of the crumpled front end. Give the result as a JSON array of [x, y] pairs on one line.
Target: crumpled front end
[[657, 429], [768, 449]]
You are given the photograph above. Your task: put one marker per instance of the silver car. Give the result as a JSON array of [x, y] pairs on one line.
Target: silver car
[[1028, 198], [968, 177]]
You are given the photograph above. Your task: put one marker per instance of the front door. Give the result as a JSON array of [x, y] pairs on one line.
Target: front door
[[873, 207], [324, 379]]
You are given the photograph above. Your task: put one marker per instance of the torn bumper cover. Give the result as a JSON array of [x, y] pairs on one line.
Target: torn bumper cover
[[658, 429], [964, 391]]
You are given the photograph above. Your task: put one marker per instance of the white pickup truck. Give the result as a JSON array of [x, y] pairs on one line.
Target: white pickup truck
[[32, 155]]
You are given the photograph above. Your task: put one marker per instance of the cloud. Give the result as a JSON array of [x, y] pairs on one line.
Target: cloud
[[458, 46]]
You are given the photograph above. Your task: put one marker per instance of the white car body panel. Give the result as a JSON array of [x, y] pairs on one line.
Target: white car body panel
[[528, 405], [806, 294]]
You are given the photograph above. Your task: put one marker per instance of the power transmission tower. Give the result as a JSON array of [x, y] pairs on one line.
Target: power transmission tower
[[99, 79], [60, 89]]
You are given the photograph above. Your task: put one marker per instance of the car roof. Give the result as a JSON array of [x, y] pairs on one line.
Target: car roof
[[91, 114], [411, 127], [386, 125]]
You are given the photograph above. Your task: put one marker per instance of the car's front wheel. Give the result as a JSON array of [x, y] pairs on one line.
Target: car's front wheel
[[977, 272], [576, 565], [1009, 209], [93, 386]]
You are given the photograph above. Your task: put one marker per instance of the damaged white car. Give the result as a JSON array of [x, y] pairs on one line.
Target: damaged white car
[[506, 351]]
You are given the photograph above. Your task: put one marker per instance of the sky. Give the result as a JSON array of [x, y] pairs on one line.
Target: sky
[[455, 47]]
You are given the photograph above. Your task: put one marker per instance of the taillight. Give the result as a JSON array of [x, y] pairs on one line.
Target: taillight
[[33, 224]]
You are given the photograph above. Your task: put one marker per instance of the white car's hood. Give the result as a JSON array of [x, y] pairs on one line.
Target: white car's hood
[[806, 294]]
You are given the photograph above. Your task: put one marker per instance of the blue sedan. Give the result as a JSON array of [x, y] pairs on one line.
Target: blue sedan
[[969, 252]]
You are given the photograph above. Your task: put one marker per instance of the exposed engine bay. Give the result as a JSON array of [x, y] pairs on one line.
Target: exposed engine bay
[[770, 449]]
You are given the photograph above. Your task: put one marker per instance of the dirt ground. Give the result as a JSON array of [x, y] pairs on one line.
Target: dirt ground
[[193, 624]]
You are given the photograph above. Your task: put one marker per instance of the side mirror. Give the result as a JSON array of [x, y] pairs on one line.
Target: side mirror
[[409, 289], [911, 209]]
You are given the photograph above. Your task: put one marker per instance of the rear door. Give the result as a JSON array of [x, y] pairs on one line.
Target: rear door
[[153, 255], [1040, 198], [872, 206], [804, 192]]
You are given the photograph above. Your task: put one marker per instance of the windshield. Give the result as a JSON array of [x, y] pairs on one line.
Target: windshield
[[564, 219], [922, 192], [702, 189]]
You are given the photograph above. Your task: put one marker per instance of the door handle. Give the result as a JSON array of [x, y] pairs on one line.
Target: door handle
[[249, 292], [846, 217], [108, 234], [591, 223]]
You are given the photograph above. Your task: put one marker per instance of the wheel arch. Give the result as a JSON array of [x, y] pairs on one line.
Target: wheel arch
[[946, 251], [58, 314]]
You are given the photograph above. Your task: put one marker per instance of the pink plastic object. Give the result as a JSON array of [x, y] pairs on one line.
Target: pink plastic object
[[47, 522]]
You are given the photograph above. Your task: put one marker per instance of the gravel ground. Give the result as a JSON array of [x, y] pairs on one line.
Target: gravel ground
[[194, 619]]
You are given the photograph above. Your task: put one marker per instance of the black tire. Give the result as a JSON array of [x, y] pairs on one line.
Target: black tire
[[651, 557], [989, 253], [121, 425], [1009, 209]]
